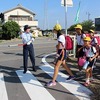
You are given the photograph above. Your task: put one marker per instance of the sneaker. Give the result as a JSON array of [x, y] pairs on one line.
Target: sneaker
[[70, 77], [49, 84], [87, 83]]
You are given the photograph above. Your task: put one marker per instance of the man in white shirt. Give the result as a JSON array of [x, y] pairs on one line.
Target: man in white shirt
[[27, 48]]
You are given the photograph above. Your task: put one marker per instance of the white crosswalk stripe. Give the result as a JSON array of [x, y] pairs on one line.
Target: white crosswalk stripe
[[3, 92]]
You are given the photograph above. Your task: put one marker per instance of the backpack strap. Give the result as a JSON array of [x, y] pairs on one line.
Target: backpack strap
[[92, 49]]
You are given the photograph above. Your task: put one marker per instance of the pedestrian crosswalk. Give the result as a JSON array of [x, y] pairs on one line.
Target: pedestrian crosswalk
[[34, 88], [37, 91]]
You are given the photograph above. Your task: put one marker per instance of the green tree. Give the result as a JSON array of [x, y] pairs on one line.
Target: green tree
[[87, 25], [10, 30]]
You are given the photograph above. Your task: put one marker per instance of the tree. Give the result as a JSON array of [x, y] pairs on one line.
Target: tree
[[10, 30], [87, 25]]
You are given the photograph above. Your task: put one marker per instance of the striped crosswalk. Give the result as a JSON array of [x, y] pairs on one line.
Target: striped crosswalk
[[36, 90], [33, 86]]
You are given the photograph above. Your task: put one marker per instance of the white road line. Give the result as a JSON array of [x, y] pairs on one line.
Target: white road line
[[34, 88], [3, 93], [74, 87]]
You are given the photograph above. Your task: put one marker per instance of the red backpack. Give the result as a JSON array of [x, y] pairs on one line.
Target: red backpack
[[69, 43], [98, 39], [87, 34]]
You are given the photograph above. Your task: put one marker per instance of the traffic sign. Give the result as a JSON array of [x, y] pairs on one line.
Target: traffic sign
[[68, 3]]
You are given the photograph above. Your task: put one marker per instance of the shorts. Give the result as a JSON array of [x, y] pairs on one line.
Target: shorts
[[60, 55], [90, 63]]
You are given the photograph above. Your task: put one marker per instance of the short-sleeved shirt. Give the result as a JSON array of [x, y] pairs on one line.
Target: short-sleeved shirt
[[94, 41], [79, 39], [90, 52], [26, 37], [61, 39]]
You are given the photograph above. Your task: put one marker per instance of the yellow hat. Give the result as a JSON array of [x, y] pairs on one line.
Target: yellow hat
[[92, 31], [79, 26], [57, 27], [87, 39]]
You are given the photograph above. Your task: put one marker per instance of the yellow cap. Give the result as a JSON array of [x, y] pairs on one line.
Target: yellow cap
[[92, 31], [79, 26], [87, 39], [57, 27]]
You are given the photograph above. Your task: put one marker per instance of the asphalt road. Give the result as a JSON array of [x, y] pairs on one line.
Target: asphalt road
[[11, 61]]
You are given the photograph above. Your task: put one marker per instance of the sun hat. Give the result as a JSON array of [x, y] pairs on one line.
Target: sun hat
[[87, 39], [91, 30], [57, 27], [78, 26]]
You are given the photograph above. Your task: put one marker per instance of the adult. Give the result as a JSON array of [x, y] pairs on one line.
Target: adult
[[62, 56], [80, 43], [28, 48]]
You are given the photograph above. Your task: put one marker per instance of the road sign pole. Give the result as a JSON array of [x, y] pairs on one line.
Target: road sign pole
[[65, 5], [66, 19]]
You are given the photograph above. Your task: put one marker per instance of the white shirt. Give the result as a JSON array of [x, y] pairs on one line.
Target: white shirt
[[26, 38], [79, 39], [90, 52], [94, 41], [61, 39]]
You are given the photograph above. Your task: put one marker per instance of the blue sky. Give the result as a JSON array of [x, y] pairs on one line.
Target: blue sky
[[54, 11]]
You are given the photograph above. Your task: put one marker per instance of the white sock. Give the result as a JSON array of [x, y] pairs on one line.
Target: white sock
[[91, 78], [87, 80]]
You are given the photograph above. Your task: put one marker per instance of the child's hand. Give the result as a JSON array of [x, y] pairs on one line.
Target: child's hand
[[90, 59]]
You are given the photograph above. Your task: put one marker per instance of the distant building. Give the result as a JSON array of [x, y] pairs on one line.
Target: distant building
[[22, 16], [97, 24]]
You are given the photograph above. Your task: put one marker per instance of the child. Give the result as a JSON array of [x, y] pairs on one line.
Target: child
[[79, 45], [62, 56], [91, 55]]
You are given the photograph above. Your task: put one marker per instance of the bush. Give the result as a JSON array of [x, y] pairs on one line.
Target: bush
[[10, 30]]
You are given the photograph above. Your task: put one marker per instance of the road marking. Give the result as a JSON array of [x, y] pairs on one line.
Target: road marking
[[34, 88], [74, 87], [3, 93]]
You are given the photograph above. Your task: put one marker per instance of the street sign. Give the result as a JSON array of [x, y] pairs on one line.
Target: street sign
[[68, 3]]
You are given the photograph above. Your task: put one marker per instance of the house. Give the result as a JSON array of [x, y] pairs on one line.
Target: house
[[22, 16]]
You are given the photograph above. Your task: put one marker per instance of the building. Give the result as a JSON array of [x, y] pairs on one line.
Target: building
[[97, 24], [22, 16]]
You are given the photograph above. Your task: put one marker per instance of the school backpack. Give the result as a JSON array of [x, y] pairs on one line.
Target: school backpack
[[68, 43], [87, 34], [98, 45], [98, 39]]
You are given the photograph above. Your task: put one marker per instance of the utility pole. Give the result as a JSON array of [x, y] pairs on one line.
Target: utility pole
[[45, 25], [88, 14], [66, 3]]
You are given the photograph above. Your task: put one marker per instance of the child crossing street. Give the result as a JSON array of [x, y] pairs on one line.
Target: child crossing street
[[91, 54]]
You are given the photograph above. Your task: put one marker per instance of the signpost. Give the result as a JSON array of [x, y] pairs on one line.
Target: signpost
[[66, 3]]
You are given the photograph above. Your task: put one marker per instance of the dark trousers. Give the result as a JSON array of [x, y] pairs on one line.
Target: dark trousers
[[28, 49]]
